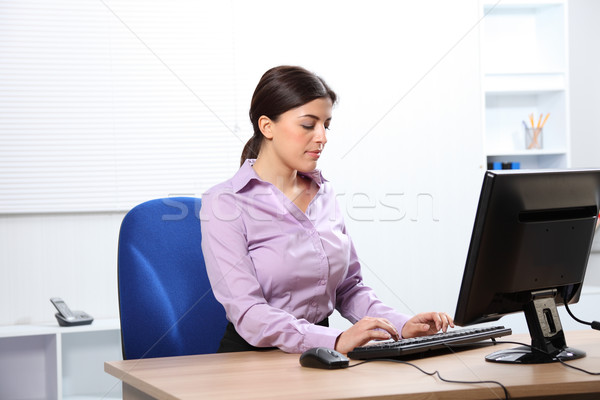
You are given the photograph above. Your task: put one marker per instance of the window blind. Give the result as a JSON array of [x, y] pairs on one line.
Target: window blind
[[104, 105]]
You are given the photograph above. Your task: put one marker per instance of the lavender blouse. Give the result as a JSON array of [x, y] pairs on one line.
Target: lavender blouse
[[277, 270]]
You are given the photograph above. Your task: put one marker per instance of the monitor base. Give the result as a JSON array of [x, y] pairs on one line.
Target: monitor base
[[525, 355], [548, 343]]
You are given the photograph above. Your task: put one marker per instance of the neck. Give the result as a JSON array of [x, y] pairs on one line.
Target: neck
[[283, 178]]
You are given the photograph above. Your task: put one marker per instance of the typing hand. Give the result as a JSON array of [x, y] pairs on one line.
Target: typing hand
[[364, 331], [427, 323]]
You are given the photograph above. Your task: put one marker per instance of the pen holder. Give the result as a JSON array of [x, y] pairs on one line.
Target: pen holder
[[533, 138]]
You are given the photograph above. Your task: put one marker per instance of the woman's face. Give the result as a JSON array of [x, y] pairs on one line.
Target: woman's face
[[299, 135]]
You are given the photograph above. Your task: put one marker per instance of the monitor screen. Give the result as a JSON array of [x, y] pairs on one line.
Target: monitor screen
[[529, 250]]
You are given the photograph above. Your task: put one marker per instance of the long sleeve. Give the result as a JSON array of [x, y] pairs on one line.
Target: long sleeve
[[355, 300], [277, 270], [235, 284]]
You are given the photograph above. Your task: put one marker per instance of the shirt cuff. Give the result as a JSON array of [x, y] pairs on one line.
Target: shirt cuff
[[319, 336]]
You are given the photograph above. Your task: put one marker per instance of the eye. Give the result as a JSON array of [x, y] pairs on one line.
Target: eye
[[308, 127]]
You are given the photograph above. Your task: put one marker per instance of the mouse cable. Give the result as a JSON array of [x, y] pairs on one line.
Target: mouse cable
[[506, 395], [593, 324], [549, 355]]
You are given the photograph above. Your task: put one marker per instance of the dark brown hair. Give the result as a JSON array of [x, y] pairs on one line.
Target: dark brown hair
[[281, 89]]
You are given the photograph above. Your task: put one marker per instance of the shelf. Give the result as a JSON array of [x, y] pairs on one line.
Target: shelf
[[52, 328], [590, 290], [48, 361], [525, 71], [526, 153], [520, 4], [524, 83], [90, 398], [25, 330], [96, 326], [524, 38], [533, 161]]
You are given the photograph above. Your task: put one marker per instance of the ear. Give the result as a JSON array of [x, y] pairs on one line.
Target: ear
[[266, 126]]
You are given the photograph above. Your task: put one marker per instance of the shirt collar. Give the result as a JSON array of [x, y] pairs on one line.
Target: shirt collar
[[246, 174]]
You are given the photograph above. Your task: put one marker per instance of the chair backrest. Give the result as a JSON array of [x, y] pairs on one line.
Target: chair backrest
[[166, 304]]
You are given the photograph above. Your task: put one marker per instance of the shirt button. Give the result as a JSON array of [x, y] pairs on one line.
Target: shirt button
[[322, 282], [313, 303]]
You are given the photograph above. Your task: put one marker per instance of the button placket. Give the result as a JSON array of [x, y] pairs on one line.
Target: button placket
[[320, 257]]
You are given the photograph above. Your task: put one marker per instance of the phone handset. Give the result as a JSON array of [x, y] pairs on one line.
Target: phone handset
[[66, 317]]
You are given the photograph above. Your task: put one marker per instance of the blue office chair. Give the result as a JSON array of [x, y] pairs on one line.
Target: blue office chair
[[166, 303]]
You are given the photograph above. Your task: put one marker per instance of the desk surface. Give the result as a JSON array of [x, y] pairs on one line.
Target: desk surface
[[274, 374]]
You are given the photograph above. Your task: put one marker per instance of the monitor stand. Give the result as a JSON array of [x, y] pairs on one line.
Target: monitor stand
[[546, 335]]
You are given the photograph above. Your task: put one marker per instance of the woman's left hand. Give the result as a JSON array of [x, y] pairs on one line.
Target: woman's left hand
[[427, 324]]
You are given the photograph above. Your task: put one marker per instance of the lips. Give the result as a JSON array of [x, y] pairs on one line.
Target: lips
[[314, 153]]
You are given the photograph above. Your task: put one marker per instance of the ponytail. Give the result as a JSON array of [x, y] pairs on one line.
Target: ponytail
[[251, 148]]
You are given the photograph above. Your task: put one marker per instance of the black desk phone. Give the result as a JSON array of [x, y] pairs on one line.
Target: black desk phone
[[66, 317]]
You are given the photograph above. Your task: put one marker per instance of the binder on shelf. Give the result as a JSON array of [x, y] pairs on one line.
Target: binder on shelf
[[504, 165]]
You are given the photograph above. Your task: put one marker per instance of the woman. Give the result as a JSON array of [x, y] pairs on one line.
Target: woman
[[276, 249]]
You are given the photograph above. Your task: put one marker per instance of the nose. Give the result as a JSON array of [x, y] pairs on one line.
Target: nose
[[321, 135]]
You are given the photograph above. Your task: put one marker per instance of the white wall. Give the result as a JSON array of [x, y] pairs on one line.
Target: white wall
[[584, 104], [404, 153], [72, 256], [585, 100], [585, 127], [584, 82]]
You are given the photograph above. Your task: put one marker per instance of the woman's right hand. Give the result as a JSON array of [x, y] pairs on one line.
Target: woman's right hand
[[363, 332]]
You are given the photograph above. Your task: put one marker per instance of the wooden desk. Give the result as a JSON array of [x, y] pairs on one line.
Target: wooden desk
[[274, 374]]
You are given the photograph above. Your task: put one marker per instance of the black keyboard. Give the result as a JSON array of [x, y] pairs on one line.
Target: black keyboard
[[424, 344]]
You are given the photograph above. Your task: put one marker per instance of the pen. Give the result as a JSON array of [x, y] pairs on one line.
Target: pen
[[536, 130], [545, 119], [531, 120]]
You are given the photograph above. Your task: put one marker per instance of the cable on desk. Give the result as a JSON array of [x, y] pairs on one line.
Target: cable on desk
[[549, 356], [450, 346], [506, 395], [495, 342]]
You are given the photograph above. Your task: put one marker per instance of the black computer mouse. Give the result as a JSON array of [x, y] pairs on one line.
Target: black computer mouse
[[322, 357]]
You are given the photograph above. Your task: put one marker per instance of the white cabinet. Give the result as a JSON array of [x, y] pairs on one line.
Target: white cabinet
[[53, 362], [524, 60]]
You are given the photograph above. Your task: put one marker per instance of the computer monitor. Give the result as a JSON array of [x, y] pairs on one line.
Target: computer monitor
[[529, 250]]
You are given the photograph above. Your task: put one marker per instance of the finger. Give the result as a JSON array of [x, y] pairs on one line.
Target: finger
[[434, 320], [360, 334], [367, 335], [437, 321], [377, 334], [391, 329], [381, 323], [442, 322], [447, 321]]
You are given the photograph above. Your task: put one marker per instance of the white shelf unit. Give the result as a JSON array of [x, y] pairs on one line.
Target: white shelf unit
[[525, 71], [51, 362]]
